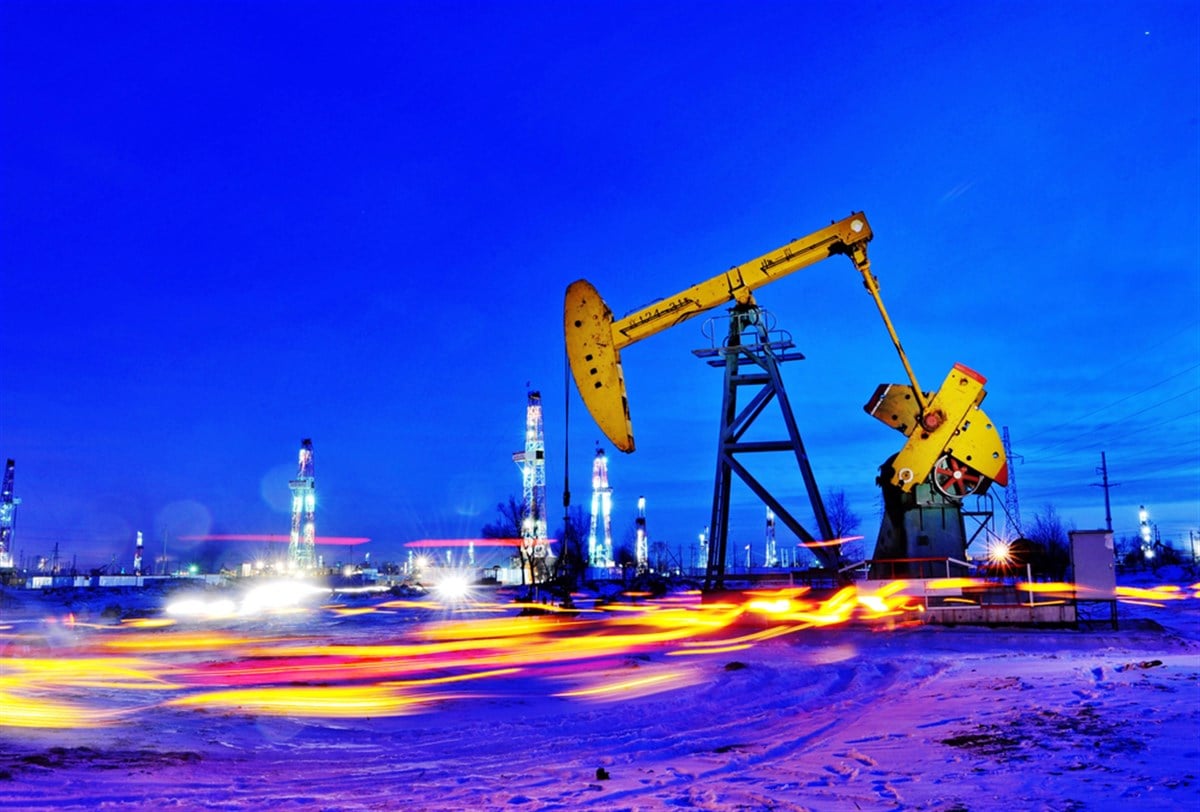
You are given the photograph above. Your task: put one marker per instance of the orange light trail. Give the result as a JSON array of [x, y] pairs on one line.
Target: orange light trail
[[355, 661], [830, 542]]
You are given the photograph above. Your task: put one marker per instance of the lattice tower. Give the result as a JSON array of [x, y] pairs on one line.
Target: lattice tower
[[600, 548], [8, 516], [1012, 508], [641, 549], [532, 462], [772, 551], [302, 547]]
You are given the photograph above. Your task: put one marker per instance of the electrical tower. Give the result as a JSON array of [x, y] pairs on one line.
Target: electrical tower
[[8, 516], [302, 546], [642, 541], [532, 461], [1012, 508], [600, 553]]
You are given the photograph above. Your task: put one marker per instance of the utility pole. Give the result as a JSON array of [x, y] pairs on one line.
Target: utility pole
[[1104, 483]]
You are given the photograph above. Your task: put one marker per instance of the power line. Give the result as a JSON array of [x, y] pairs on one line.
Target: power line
[[1139, 355], [1129, 433], [1118, 401]]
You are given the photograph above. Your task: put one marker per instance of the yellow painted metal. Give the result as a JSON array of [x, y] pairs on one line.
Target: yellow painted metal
[[594, 340], [872, 284], [948, 423], [738, 283], [951, 424], [595, 361], [896, 405]]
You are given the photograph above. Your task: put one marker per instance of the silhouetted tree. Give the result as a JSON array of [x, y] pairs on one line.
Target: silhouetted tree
[[844, 522], [624, 558], [508, 526], [1051, 552], [571, 560], [508, 522], [1129, 551]]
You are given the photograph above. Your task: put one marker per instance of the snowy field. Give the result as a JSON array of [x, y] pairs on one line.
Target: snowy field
[[376, 702]]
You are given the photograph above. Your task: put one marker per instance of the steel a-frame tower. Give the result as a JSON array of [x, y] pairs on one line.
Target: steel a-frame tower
[[302, 546], [751, 355]]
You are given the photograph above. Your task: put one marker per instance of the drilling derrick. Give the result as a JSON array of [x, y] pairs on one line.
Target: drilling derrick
[[302, 546], [772, 552], [532, 461], [642, 542], [600, 552], [8, 511]]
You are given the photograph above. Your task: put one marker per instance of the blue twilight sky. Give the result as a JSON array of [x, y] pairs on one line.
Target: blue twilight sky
[[229, 226]]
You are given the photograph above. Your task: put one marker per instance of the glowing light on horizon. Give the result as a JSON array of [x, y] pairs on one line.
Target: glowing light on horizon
[[1000, 553], [513, 542], [277, 538], [453, 587], [267, 598]]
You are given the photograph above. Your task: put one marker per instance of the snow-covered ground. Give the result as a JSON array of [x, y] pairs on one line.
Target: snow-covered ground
[[375, 702]]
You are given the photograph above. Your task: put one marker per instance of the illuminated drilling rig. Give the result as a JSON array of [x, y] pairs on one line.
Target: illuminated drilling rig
[[302, 545], [8, 516], [532, 461], [641, 549], [600, 553], [772, 552]]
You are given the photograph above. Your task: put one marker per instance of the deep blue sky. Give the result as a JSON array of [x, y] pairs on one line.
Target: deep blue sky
[[225, 227]]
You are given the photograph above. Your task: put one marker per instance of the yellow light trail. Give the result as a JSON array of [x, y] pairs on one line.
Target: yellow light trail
[[87, 675]]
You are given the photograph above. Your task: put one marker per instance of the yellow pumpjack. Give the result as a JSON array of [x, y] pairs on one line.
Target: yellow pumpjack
[[951, 442]]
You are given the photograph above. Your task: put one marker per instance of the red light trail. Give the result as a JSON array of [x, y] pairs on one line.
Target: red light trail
[[466, 543], [337, 541]]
